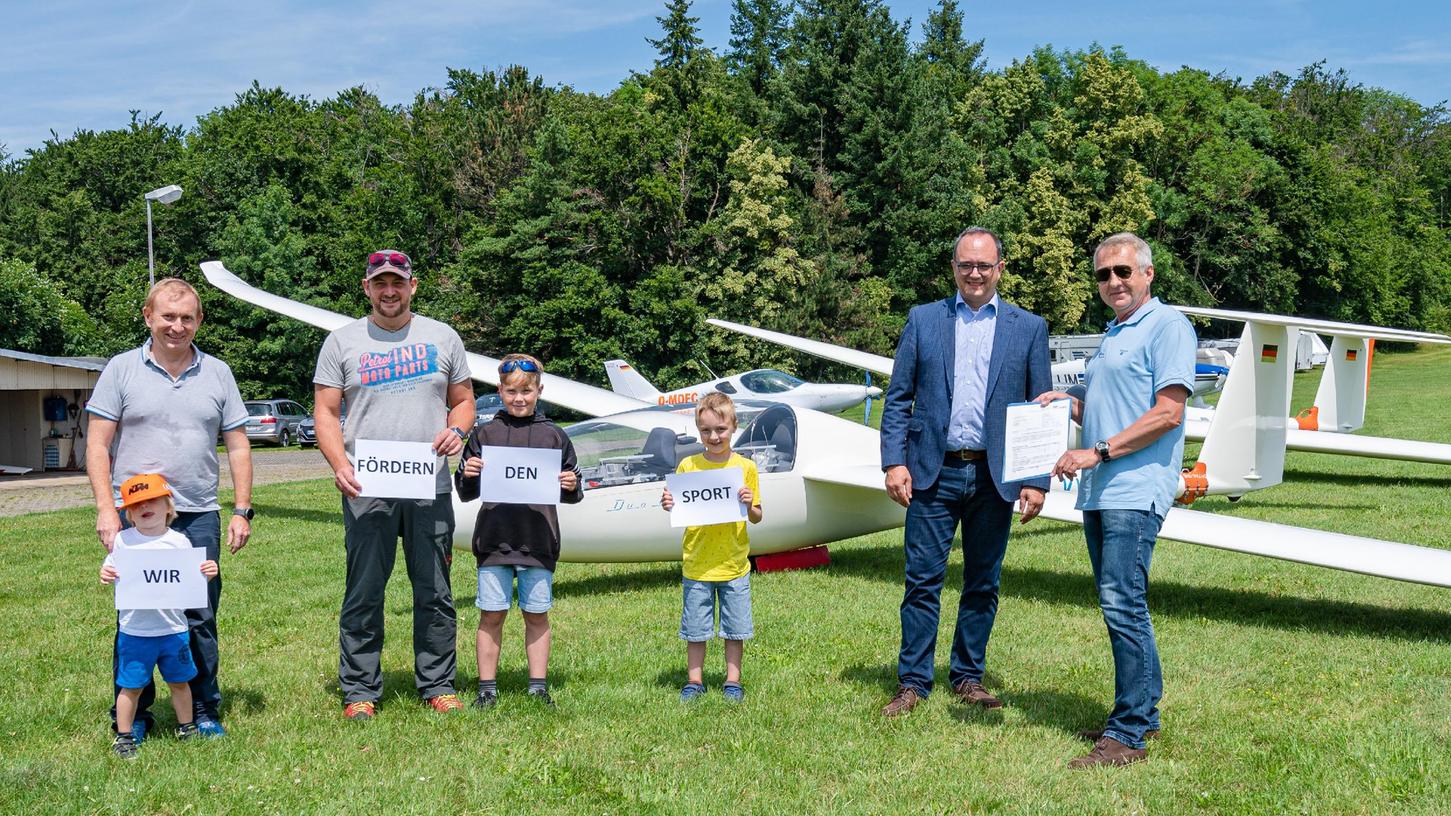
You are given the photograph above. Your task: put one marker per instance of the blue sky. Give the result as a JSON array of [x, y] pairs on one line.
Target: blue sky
[[70, 64]]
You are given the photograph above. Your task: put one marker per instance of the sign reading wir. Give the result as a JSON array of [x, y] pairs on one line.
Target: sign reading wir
[[160, 579]]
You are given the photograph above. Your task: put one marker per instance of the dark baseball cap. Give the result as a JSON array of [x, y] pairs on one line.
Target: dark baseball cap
[[389, 260]]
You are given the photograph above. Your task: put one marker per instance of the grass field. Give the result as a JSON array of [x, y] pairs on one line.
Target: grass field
[[1288, 688]]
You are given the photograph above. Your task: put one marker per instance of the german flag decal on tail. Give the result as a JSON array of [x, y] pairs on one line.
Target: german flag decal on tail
[[1269, 353], [1350, 355]]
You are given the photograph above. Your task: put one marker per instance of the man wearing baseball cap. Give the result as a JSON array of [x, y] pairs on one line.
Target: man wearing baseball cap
[[405, 378]]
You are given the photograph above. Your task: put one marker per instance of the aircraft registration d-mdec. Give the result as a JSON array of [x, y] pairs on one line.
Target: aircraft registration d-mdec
[[820, 478]]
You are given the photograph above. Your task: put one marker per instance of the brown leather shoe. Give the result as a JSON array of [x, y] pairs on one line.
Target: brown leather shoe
[[902, 702], [1096, 734], [971, 692], [1109, 751]]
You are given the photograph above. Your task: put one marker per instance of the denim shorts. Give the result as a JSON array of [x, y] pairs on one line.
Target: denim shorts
[[137, 657], [700, 599], [496, 588]]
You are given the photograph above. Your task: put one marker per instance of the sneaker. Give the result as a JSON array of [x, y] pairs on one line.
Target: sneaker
[[542, 697], [902, 702], [187, 731], [1109, 751], [210, 727], [361, 710], [486, 699], [691, 691], [124, 745], [138, 731], [733, 692], [445, 703]]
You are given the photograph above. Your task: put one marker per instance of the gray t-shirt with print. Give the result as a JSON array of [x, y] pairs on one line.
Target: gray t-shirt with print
[[167, 424], [395, 383]]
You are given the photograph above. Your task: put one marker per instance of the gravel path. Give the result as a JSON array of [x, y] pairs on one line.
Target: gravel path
[[38, 493]]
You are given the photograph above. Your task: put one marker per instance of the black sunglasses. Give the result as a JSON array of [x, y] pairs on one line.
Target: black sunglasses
[[1123, 272], [510, 366]]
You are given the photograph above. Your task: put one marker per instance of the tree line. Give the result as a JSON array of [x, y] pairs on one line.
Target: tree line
[[808, 178]]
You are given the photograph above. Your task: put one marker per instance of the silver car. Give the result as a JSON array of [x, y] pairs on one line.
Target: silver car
[[275, 422]]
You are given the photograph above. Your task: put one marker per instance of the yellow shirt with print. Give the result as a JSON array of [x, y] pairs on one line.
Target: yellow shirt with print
[[717, 552]]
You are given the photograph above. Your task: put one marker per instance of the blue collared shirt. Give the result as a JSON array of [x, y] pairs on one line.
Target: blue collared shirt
[[1152, 350], [973, 356]]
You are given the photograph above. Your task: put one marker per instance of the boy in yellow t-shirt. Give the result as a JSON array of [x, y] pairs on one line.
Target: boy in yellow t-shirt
[[715, 568]]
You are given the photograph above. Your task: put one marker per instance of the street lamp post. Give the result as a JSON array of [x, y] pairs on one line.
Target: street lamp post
[[164, 195]]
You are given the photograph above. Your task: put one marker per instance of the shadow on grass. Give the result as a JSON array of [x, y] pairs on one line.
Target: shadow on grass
[[1357, 479], [1177, 600], [242, 700], [675, 678], [333, 515], [611, 583], [399, 687]]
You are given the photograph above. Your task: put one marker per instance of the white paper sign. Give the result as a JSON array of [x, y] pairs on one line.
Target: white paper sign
[[160, 579], [1036, 436], [396, 470], [706, 497], [520, 475]]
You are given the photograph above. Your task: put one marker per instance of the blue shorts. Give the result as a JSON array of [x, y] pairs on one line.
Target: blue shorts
[[496, 588], [137, 657], [699, 607]]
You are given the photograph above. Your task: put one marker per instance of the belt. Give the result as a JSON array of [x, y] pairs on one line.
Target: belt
[[966, 455]]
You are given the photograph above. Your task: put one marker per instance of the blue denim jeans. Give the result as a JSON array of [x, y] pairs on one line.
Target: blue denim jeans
[[1120, 546], [964, 492]]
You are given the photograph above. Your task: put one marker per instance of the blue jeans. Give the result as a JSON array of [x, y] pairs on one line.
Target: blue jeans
[[698, 609], [965, 493], [1120, 546], [496, 588], [204, 531]]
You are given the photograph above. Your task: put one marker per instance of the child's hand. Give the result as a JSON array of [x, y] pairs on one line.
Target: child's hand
[[108, 574], [568, 480], [746, 496], [209, 569], [667, 501], [473, 466]]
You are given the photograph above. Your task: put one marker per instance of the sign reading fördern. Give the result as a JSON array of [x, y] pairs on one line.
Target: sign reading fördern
[[520, 475], [706, 497], [160, 579], [396, 470]]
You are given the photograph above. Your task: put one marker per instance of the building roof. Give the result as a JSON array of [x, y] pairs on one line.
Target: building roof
[[83, 363]]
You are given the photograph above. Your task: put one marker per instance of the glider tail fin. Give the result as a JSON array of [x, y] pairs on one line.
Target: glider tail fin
[[624, 379], [1344, 385]]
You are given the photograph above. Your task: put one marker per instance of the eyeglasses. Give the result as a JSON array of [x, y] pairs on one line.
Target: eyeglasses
[[510, 366], [397, 259], [979, 268], [1123, 273]]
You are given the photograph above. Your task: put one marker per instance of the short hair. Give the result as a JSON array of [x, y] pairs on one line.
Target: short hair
[[536, 375], [997, 242], [170, 510], [1142, 253], [173, 287], [719, 403]]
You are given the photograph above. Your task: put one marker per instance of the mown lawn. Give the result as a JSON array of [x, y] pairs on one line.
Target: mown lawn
[[1289, 689]]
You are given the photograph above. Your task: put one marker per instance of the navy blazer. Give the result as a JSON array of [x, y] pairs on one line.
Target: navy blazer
[[918, 405]]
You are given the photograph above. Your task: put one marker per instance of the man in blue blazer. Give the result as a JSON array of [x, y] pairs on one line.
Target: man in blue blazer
[[959, 364]]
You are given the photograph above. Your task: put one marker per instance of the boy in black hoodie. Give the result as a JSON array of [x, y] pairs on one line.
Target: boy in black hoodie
[[516, 541]]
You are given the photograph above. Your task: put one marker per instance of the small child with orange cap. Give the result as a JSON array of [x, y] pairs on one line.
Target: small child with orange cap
[[148, 639]]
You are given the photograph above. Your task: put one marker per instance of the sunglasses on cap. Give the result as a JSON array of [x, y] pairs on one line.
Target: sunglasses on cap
[[510, 366], [1123, 272], [397, 259]]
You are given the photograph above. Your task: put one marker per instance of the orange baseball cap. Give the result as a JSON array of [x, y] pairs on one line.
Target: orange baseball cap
[[143, 486]]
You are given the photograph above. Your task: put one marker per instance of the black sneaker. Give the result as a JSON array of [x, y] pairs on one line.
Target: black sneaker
[[486, 699], [124, 745], [187, 731], [542, 697]]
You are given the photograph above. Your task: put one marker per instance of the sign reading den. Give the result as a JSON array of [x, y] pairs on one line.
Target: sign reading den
[[707, 497], [520, 475], [160, 579]]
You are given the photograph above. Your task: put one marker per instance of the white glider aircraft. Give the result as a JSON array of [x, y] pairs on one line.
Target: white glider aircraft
[[822, 478], [762, 383]]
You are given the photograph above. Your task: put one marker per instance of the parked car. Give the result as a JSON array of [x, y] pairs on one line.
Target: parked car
[[275, 421], [486, 405], [307, 430]]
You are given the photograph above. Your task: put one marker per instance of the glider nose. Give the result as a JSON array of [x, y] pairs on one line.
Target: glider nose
[[873, 392]]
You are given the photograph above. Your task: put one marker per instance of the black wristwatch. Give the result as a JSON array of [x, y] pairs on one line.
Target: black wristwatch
[[245, 512], [460, 433], [1101, 448]]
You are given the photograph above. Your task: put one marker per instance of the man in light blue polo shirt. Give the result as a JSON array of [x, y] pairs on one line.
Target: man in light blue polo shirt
[[1132, 414], [158, 409]]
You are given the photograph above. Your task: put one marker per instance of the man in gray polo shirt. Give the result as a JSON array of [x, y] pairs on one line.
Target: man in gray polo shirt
[[405, 378], [158, 409]]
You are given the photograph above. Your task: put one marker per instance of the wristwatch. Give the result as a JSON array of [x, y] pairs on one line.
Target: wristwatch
[[1101, 448], [459, 433], [245, 512]]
